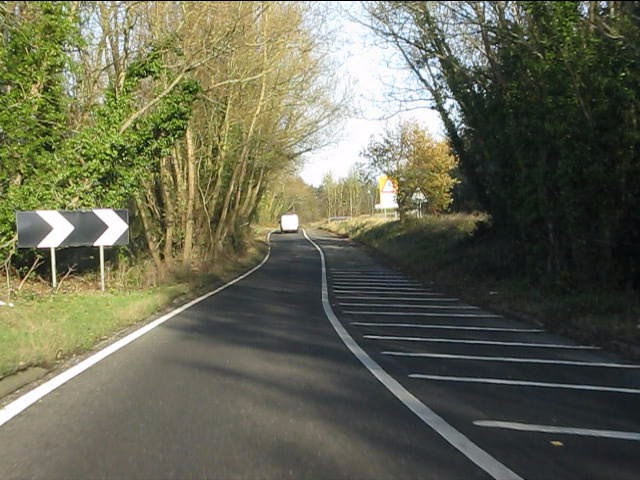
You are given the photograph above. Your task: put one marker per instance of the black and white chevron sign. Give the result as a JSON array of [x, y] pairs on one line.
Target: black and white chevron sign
[[81, 228]]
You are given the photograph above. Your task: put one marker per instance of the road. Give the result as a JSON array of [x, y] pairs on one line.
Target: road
[[385, 379]]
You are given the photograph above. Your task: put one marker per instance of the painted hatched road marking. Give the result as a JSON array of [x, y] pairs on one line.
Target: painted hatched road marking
[[431, 298], [448, 327], [587, 432], [397, 305], [384, 289], [481, 342], [482, 459], [425, 314], [546, 361], [380, 294], [523, 383]]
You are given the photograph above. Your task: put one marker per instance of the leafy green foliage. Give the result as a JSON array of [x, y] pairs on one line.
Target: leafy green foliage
[[42, 164], [540, 101]]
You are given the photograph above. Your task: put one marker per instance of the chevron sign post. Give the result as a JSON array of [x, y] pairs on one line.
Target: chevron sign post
[[100, 227]]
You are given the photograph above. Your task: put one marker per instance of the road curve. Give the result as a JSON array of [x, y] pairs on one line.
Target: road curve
[[250, 383]]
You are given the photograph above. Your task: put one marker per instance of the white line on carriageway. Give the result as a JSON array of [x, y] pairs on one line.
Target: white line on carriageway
[[375, 276], [340, 291], [448, 327], [425, 314], [586, 432], [464, 445], [374, 283], [522, 383], [432, 298], [481, 358], [481, 342], [404, 305], [384, 289]]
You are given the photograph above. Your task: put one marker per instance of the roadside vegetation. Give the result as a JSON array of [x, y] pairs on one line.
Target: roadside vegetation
[[187, 114], [195, 116], [456, 254], [43, 328]]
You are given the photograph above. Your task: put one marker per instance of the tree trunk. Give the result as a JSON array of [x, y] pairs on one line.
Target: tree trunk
[[191, 196]]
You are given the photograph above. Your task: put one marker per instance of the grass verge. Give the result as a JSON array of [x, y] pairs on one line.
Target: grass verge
[[442, 250], [46, 329]]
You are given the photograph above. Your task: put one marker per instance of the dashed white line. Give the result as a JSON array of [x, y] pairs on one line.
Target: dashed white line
[[587, 432], [448, 327], [480, 342], [481, 358], [523, 383], [482, 459]]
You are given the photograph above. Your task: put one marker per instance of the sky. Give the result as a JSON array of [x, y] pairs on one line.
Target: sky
[[372, 72]]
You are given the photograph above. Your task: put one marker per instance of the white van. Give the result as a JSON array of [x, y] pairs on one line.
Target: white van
[[289, 223]]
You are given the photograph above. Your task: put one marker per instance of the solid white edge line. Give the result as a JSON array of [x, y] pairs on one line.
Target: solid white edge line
[[586, 432], [25, 401], [522, 383], [482, 459]]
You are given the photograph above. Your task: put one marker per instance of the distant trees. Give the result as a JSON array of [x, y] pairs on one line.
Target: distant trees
[[541, 105], [350, 196], [419, 163], [187, 113]]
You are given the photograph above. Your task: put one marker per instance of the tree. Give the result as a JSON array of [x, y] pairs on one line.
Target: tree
[[418, 162], [534, 96]]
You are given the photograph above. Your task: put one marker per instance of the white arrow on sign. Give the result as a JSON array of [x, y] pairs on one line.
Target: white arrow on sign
[[115, 227], [61, 228]]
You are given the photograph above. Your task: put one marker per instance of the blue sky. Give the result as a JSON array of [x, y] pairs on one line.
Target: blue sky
[[372, 72]]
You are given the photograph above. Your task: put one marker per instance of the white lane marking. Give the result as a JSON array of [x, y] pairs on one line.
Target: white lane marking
[[425, 314], [511, 359], [480, 342], [378, 286], [522, 383], [350, 281], [366, 272], [425, 293], [397, 305], [383, 289], [412, 299], [343, 276], [28, 399], [482, 459], [586, 432], [448, 327]]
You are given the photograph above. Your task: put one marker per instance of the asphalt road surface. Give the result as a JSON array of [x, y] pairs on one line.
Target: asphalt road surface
[[387, 378]]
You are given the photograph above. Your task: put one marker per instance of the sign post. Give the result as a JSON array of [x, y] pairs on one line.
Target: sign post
[[102, 268], [100, 227], [419, 197], [54, 280]]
